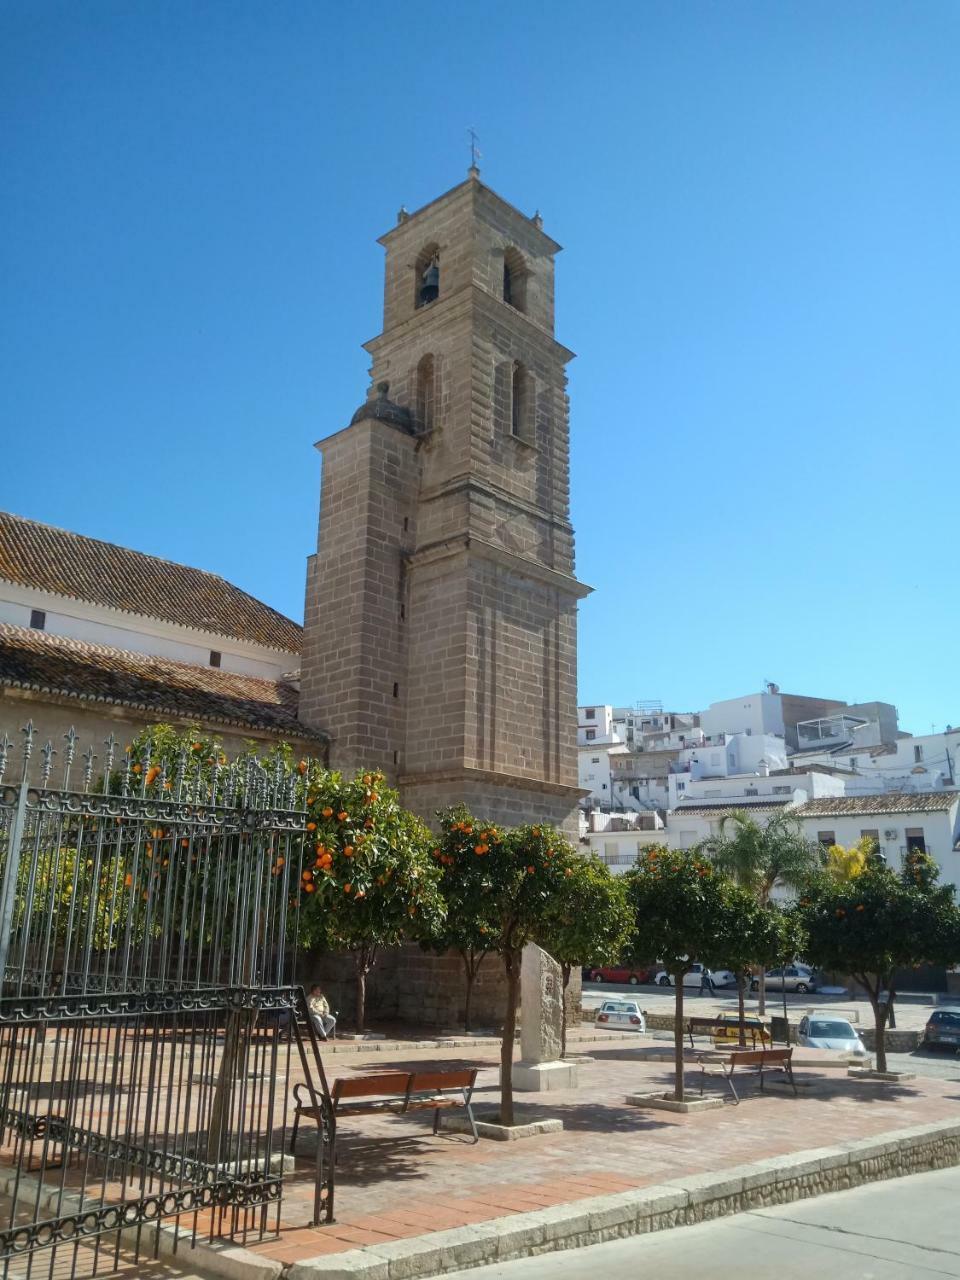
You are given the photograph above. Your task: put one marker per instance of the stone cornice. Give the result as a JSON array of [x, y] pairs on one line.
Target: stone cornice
[[473, 484], [493, 777], [465, 544]]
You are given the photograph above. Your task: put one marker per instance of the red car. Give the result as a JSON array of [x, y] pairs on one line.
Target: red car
[[617, 973]]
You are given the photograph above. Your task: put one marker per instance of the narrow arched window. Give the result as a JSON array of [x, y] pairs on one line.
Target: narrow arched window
[[427, 275], [519, 408], [514, 279], [426, 393]]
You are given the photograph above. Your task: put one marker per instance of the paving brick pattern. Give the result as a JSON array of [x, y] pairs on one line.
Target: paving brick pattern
[[396, 1180]]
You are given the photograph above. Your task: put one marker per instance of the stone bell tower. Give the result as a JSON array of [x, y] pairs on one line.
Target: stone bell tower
[[441, 605]]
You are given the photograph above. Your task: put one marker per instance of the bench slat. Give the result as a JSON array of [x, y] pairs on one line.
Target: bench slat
[[370, 1086], [432, 1080]]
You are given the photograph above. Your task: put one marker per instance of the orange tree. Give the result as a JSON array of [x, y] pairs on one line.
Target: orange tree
[[586, 921], [469, 926], [367, 880], [516, 873], [880, 921], [686, 910]]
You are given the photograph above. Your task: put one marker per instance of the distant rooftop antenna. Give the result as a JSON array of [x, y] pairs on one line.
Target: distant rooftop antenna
[[475, 153]]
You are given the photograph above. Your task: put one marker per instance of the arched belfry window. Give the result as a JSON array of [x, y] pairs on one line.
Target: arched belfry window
[[514, 279], [426, 393], [427, 275]]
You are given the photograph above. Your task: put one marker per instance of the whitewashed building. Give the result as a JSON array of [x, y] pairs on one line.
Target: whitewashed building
[[929, 821], [108, 640]]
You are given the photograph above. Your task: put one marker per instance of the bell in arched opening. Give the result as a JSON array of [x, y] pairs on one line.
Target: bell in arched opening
[[430, 282]]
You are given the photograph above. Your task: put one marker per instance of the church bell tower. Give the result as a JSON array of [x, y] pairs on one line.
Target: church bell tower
[[440, 631]]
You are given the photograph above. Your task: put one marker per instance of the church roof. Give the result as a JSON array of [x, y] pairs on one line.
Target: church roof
[[69, 564], [58, 665]]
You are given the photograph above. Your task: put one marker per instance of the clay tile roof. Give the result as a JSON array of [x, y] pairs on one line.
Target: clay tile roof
[[96, 673], [890, 802], [724, 807], [68, 564]]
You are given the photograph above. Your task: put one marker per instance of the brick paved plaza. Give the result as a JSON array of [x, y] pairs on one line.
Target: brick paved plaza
[[395, 1180]]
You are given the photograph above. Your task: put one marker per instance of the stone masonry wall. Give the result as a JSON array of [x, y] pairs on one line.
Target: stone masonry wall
[[421, 989]]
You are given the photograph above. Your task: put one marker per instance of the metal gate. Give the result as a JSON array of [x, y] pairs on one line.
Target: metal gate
[[149, 1012]]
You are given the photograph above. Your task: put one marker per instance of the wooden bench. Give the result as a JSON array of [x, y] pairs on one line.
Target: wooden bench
[[757, 1060], [394, 1093], [710, 1026]]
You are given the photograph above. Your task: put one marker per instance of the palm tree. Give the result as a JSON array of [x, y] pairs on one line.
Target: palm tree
[[762, 857]]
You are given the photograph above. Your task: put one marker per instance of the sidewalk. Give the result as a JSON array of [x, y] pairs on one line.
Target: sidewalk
[[396, 1181]]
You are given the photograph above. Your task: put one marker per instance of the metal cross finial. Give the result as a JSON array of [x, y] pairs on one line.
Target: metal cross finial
[[475, 152]]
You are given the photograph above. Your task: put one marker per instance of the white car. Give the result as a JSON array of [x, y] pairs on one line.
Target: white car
[[620, 1015], [695, 976], [824, 1031]]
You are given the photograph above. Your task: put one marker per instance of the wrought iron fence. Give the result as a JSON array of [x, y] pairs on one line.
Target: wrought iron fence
[[149, 1011]]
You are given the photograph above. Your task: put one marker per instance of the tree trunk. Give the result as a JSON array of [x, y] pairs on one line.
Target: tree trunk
[[471, 967], [678, 1040], [741, 985], [471, 974], [565, 975], [511, 963], [881, 1012], [762, 994], [361, 976]]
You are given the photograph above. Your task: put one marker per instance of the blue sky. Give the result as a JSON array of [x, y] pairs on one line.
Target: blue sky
[[759, 204]]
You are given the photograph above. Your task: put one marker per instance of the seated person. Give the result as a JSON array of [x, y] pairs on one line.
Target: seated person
[[319, 1008]]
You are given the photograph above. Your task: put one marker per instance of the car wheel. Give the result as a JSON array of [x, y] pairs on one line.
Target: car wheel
[[596, 976], [801, 988], [664, 981], [633, 980]]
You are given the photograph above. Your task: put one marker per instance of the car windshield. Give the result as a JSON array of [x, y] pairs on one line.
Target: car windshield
[[945, 1018], [614, 1006], [832, 1030]]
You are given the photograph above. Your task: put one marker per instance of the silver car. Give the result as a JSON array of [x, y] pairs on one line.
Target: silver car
[[791, 977], [823, 1031]]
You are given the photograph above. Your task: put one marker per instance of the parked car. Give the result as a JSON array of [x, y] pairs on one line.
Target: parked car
[[757, 1035], [791, 977], [824, 1031], [620, 1015], [618, 973], [694, 978], [943, 1027]]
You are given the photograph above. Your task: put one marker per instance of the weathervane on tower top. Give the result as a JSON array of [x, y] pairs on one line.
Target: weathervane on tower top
[[475, 153]]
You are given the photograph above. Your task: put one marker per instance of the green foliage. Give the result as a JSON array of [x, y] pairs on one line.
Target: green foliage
[[504, 881], [759, 856], [517, 874], [686, 909], [78, 895], [846, 864], [470, 924], [879, 922], [588, 919], [367, 880]]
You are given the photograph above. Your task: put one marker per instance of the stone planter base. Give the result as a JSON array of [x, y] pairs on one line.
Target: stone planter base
[[363, 1035], [868, 1073], [488, 1126], [660, 1102], [537, 1077]]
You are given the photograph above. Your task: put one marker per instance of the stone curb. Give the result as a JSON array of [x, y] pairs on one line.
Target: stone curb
[[682, 1201], [338, 1047]]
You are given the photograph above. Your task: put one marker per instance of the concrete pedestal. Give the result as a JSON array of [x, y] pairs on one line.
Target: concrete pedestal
[[538, 1077]]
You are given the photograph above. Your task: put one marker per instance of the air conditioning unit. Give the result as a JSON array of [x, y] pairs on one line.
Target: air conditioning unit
[[891, 833]]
